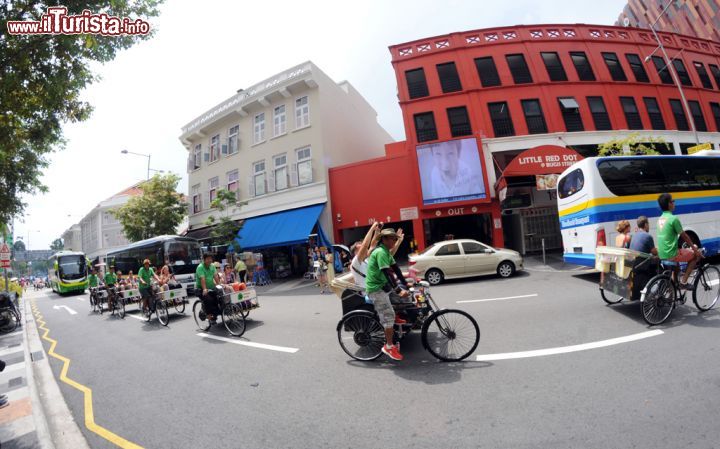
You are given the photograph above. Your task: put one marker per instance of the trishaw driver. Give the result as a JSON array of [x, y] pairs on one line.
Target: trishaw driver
[[93, 279], [110, 281], [145, 277], [669, 229], [380, 281], [205, 278]]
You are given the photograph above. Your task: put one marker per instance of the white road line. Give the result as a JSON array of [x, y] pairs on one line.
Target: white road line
[[136, 317], [249, 343], [714, 283], [497, 299], [566, 349], [80, 299]]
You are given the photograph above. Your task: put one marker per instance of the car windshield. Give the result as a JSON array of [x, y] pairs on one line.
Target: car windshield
[[183, 257], [71, 267]]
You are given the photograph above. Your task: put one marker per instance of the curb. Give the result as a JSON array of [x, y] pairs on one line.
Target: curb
[[56, 427]]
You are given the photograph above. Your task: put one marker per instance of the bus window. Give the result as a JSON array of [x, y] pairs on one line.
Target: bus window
[[685, 175], [571, 184], [634, 176]]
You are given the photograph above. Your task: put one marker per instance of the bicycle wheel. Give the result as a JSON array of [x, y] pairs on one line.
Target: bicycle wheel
[[610, 297], [162, 312], [233, 319], [8, 320], [450, 335], [706, 288], [200, 317], [120, 303], [361, 335], [180, 305], [659, 300]]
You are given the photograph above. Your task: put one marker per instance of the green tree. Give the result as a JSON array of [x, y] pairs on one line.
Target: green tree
[[225, 229], [632, 144], [158, 211], [19, 245], [41, 80], [57, 245]]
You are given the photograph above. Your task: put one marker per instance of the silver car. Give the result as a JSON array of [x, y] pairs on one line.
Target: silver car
[[453, 259]]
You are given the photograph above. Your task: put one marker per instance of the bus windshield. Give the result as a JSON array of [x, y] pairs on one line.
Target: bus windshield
[[71, 267], [183, 257]]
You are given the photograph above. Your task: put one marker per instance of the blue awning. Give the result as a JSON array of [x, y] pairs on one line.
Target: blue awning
[[290, 227]]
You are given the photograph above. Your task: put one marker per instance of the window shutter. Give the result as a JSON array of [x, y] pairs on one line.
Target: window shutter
[[293, 175], [251, 186], [224, 149], [206, 156], [271, 181]]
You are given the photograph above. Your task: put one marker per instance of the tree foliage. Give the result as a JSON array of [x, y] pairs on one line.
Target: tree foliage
[[19, 245], [158, 211], [224, 229], [57, 245], [41, 78], [632, 144]]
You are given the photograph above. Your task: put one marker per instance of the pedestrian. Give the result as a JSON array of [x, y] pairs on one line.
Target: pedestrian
[[241, 270], [322, 270]]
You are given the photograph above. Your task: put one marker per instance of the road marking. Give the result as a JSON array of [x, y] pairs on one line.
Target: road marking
[[566, 349], [80, 299], [87, 392], [249, 343], [498, 299], [69, 310], [714, 283], [135, 316]]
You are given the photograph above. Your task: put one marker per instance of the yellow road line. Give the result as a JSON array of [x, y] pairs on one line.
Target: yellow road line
[[87, 392]]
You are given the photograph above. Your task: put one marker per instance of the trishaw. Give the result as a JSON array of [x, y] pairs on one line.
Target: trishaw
[[627, 274], [234, 307], [162, 300], [448, 334], [106, 295]]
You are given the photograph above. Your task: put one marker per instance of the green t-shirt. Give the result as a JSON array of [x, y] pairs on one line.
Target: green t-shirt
[[92, 280], [379, 259], [669, 229], [110, 278], [208, 273], [146, 274]]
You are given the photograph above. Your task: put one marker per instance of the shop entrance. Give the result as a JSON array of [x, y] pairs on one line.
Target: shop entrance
[[476, 226]]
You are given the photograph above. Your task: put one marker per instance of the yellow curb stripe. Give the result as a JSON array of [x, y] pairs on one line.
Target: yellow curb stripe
[[87, 392]]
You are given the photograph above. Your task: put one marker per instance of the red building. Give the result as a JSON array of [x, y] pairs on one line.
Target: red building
[[502, 92]]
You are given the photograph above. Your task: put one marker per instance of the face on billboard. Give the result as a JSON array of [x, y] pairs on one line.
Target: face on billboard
[[451, 171]]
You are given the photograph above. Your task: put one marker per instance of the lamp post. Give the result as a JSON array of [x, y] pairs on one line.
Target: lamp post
[[28, 239], [673, 73], [140, 154]]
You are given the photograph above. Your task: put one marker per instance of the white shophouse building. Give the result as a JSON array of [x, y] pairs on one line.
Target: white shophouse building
[[72, 238]]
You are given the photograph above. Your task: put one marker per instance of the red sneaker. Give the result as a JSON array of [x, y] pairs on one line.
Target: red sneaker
[[399, 320], [392, 351]]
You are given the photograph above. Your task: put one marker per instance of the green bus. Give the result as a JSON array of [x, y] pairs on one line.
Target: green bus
[[68, 271]]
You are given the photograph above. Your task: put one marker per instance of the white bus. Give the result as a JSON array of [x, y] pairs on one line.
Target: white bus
[[597, 192]]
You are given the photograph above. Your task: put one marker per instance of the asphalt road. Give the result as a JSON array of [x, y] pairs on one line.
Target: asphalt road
[[167, 387]]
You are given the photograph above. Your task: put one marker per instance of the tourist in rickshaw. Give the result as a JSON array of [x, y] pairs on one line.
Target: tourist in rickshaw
[[668, 231], [145, 277], [165, 278], [622, 240], [206, 277], [642, 241], [131, 280]]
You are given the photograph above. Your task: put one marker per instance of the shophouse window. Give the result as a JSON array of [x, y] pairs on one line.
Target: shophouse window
[[632, 114], [279, 120], [697, 115], [425, 127], [679, 114], [534, 116], [304, 166], [213, 185], [682, 72], [519, 69], [197, 156], [715, 73], [233, 139], [215, 148], [487, 72], [302, 112], [571, 114], [501, 121], [715, 108], [613, 64], [582, 66], [416, 83], [637, 67], [259, 128], [449, 78], [196, 199], [663, 70], [600, 116], [703, 75], [459, 121], [259, 183], [654, 112], [554, 67], [232, 180], [281, 172]]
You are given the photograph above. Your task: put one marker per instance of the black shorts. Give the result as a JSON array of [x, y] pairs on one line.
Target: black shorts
[[145, 293]]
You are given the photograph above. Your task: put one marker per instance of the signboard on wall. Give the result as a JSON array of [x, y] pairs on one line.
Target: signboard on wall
[[451, 171], [409, 213], [546, 182]]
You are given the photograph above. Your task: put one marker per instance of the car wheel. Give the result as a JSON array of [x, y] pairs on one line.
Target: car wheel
[[434, 276], [506, 269]]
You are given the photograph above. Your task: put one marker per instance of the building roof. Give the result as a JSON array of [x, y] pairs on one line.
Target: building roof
[[133, 190]]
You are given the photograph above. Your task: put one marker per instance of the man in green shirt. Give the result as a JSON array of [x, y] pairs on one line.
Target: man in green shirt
[[145, 278], [110, 281], [380, 281], [93, 279], [668, 231], [205, 278]]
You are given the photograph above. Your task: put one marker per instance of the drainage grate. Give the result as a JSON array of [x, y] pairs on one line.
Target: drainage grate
[[37, 355]]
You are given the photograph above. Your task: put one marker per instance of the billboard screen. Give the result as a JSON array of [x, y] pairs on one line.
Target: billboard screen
[[451, 171]]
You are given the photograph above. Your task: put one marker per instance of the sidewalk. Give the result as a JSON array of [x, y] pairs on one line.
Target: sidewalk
[[554, 263]]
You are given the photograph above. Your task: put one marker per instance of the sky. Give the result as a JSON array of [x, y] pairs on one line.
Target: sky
[[203, 52]]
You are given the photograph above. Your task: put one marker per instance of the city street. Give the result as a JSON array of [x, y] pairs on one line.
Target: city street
[[168, 387]]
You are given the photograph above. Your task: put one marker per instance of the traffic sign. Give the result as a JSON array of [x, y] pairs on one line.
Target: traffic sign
[[701, 147], [4, 252], [4, 263]]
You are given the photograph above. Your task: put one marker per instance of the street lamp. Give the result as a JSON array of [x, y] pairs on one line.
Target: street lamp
[[671, 67], [140, 154], [28, 240]]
